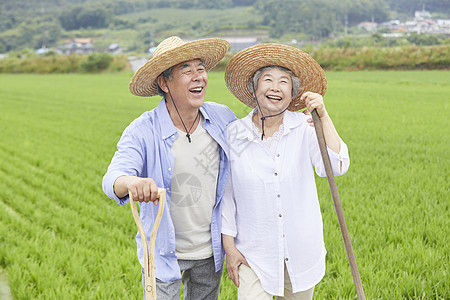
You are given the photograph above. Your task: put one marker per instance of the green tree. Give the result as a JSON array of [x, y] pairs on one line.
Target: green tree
[[410, 6], [318, 18], [424, 39], [2, 47], [243, 2], [80, 17]]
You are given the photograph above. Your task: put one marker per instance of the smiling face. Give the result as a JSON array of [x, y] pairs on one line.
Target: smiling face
[[188, 84], [274, 91]]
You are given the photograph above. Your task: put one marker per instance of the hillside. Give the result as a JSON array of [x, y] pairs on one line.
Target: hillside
[[137, 24]]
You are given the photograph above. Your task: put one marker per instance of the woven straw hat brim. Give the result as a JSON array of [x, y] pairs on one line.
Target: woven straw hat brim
[[210, 51], [245, 63]]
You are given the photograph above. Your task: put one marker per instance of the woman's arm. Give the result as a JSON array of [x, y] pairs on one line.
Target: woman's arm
[[315, 101]]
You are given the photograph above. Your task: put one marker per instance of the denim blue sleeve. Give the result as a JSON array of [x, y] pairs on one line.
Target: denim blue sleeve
[[127, 161]]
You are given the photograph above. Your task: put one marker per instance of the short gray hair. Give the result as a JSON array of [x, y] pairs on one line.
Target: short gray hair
[[253, 81], [166, 74]]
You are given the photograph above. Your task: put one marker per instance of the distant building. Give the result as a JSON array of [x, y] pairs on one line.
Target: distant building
[[443, 25], [42, 50], [151, 50], [368, 26], [115, 49], [78, 46], [392, 34], [391, 25], [240, 43], [422, 26], [422, 15]]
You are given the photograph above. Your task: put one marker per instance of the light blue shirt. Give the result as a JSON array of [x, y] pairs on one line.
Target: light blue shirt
[[144, 150]]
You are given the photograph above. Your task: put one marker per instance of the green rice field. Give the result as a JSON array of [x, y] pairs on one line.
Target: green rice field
[[62, 238]]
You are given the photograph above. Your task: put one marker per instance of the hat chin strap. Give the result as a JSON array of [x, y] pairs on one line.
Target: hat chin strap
[[263, 118], [188, 135]]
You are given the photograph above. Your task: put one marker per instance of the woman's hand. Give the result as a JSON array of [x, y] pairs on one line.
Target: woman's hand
[[314, 101], [234, 258]]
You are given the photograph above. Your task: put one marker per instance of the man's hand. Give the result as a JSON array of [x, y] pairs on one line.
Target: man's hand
[[234, 258], [142, 189]]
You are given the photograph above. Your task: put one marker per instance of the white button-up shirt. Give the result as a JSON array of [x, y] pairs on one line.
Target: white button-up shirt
[[271, 206]]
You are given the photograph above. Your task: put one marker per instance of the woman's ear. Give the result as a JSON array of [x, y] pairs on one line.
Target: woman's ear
[[162, 84]]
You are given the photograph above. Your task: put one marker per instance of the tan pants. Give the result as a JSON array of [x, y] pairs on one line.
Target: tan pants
[[250, 287]]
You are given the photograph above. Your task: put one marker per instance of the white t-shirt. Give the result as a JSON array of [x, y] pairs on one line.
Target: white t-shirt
[[194, 184]]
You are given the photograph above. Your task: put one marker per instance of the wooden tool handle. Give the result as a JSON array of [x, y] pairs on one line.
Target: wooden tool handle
[[338, 205], [149, 253]]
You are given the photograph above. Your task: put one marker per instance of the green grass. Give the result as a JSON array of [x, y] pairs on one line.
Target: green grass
[[62, 238]]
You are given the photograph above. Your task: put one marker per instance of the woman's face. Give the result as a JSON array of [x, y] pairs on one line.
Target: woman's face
[[274, 92]]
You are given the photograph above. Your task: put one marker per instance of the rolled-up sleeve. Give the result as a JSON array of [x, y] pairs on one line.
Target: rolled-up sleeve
[[340, 162], [127, 161]]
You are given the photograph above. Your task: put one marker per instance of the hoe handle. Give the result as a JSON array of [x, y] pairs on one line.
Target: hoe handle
[[338, 205], [149, 253]]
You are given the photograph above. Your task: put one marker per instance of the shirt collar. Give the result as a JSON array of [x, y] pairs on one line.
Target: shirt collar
[[246, 131], [166, 123], [204, 112], [291, 120]]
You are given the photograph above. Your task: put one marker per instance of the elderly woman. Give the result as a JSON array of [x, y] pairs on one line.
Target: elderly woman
[[272, 227]]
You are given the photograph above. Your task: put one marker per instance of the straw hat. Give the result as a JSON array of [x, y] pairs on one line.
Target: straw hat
[[171, 52], [245, 63]]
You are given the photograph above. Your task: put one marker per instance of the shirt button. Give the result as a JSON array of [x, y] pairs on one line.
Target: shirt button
[[171, 252], [278, 155], [280, 215], [278, 196], [276, 174], [170, 169], [286, 259]]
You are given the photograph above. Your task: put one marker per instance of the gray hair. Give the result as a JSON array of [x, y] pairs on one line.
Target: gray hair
[[253, 81], [167, 74]]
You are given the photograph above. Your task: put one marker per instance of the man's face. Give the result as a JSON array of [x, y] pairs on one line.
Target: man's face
[[188, 84], [274, 92]]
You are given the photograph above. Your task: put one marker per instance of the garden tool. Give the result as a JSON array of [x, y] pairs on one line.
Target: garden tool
[[338, 205], [149, 253]]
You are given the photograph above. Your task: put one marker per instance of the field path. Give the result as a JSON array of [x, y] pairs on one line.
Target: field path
[[5, 292], [136, 62]]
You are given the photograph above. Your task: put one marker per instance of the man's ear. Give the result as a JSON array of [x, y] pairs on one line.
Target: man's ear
[[162, 84]]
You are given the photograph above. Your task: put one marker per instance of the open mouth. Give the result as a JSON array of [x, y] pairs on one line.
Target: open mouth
[[197, 90], [273, 98]]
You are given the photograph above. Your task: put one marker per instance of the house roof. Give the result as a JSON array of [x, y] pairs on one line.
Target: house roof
[[80, 40]]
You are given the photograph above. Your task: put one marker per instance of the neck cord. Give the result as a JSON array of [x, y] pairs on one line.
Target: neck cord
[[188, 135], [263, 118]]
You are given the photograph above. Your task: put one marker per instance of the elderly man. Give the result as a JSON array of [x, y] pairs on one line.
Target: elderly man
[[179, 145]]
